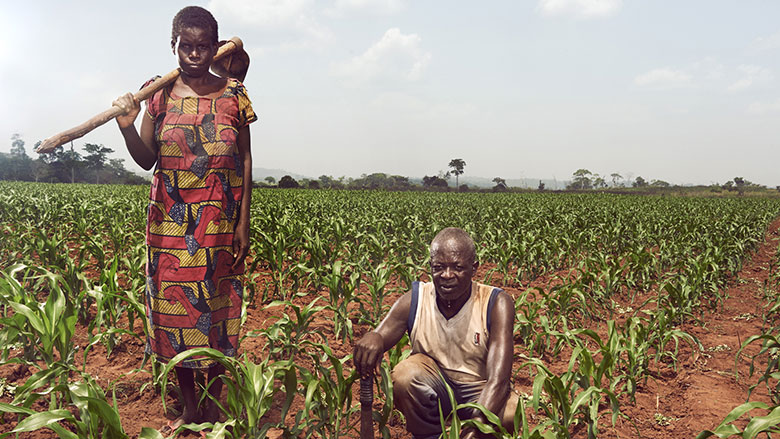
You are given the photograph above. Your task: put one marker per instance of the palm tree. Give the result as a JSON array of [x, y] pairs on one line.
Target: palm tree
[[457, 166]]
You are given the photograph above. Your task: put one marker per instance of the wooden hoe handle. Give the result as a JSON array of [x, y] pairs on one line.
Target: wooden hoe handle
[[366, 407], [52, 142]]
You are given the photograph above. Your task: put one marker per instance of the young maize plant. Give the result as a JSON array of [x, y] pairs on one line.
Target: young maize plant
[[286, 335]]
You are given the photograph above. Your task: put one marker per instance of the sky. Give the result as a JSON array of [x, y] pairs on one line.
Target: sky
[[685, 91]]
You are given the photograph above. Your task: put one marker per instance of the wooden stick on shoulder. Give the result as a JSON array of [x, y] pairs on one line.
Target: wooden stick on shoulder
[[52, 142]]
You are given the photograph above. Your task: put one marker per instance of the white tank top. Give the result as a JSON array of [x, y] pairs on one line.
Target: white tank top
[[458, 345]]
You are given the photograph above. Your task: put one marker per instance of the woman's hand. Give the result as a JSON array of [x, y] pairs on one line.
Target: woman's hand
[[130, 108], [240, 244]]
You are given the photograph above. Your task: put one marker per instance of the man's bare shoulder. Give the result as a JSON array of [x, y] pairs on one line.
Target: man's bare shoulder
[[503, 311]]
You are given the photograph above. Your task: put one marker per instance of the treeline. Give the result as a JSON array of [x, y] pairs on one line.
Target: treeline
[[583, 179], [375, 181], [65, 165], [92, 165]]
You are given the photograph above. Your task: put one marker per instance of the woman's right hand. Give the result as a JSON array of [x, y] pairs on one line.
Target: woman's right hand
[[130, 108]]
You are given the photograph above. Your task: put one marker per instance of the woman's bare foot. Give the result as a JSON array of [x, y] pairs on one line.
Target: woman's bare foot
[[171, 427]]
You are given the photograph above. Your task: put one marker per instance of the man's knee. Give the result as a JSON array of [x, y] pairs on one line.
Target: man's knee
[[404, 374], [418, 378]]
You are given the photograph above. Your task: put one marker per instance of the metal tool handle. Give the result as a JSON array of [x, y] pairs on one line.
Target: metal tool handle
[[366, 407]]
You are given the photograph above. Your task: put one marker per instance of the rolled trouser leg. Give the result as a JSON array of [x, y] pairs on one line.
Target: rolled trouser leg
[[417, 390]]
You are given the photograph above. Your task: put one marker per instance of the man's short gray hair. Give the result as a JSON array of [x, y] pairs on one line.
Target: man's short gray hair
[[458, 235]]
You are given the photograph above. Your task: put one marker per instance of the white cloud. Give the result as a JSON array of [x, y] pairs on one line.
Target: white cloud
[[764, 107], [419, 109], [761, 44], [582, 9], [395, 56], [751, 75], [663, 78], [708, 68], [285, 24], [376, 7]]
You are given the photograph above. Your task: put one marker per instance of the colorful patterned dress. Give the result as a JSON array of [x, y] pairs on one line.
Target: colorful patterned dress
[[193, 298]]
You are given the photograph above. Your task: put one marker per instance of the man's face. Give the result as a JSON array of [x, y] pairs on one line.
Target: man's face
[[452, 269]]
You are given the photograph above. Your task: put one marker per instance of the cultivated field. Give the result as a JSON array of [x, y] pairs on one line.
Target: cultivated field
[[637, 316]]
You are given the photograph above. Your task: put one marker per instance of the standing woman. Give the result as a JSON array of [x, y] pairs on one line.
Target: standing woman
[[196, 134]]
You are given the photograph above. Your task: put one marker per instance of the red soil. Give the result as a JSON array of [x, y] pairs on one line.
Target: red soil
[[670, 404]]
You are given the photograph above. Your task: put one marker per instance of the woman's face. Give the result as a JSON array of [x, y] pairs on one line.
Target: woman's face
[[195, 49]]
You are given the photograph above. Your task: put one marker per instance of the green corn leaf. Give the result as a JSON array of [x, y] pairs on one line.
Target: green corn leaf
[[42, 419], [761, 424], [150, 433]]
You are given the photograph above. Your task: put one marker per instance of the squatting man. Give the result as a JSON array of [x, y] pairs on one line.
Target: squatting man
[[458, 329]]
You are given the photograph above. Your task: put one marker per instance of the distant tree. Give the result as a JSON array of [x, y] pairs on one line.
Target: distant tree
[[615, 178], [541, 186], [61, 165], [96, 158], [581, 180], [314, 184], [659, 183], [500, 185], [400, 182], [16, 165], [71, 160], [463, 188], [599, 182], [326, 181], [434, 182], [270, 180], [17, 146], [457, 166], [288, 182], [377, 180], [639, 182], [338, 183], [740, 183]]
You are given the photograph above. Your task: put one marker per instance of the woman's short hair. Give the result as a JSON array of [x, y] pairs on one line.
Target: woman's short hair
[[197, 17]]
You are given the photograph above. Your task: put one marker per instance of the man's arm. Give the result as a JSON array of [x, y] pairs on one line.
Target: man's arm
[[369, 349], [499, 359]]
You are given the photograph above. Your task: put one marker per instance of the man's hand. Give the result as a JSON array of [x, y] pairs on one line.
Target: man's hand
[[367, 353]]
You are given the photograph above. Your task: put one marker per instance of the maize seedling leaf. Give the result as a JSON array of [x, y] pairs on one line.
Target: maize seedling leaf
[[221, 430], [725, 428], [150, 433], [762, 424], [108, 415], [42, 419], [583, 396], [28, 313], [9, 408], [494, 424]]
